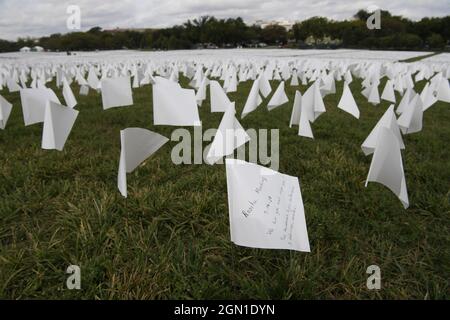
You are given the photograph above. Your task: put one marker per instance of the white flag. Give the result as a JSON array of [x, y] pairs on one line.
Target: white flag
[[34, 102], [443, 91], [58, 123], [5, 111], [173, 105], [411, 119], [253, 99], [116, 92], [388, 120], [347, 102], [388, 92], [218, 97], [137, 145], [296, 109], [265, 208], [229, 136], [279, 97], [69, 98], [387, 166]]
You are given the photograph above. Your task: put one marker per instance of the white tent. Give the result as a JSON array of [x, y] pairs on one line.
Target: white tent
[[37, 49]]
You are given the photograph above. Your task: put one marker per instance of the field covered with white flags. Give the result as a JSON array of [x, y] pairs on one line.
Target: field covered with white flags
[[264, 173]]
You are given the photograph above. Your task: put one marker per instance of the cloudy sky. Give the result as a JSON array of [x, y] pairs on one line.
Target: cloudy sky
[[20, 18]]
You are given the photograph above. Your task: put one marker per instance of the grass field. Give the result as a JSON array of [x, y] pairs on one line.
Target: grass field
[[170, 237]]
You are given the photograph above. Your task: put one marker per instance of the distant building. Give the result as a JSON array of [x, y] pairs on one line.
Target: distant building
[[116, 30], [25, 49], [288, 25], [310, 41], [37, 49], [326, 40]]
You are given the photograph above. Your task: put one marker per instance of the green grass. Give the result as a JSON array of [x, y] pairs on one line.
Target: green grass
[[170, 237], [418, 58]]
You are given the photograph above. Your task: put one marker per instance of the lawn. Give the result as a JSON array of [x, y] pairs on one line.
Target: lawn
[[170, 237]]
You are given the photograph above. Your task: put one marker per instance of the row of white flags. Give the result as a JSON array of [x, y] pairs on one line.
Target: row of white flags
[[265, 207]]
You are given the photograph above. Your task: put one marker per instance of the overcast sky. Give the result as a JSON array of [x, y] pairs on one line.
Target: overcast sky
[[20, 18]]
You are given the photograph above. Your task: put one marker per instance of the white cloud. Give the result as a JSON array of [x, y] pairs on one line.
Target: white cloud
[[43, 17]]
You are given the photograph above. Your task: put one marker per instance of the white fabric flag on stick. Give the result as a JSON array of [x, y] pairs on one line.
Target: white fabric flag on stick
[[84, 90], [388, 92], [12, 85], [348, 103], [116, 92], [69, 98], [387, 166], [306, 117], [374, 96], [92, 79], [232, 85], [388, 120], [34, 102], [404, 103], [137, 145], [229, 136], [219, 99], [411, 119], [265, 208], [5, 111], [279, 97], [264, 85], [443, 90], [253, 100], [58, 123], [312, 107], [296, 109], [201, 92], [348, 77], [312, 99], [294, 79], [428, 99], [173, 105]]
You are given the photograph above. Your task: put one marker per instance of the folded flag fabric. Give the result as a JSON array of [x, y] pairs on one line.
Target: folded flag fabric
[[296, 109], [388, 120], [388, 92], [34, 102], [218, 98], [265, 208], [279, 97], [253, 99], [137, 145], [410, 120], [348, 103], [5, 112], [116, 92], [69, 98], [387, 166], [229, 136], [58, 123], [173, 105]]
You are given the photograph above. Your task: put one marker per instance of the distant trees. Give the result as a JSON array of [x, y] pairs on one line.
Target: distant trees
[[274, 34], [6, 46], [317, 27], [436, 41], [396, 33]]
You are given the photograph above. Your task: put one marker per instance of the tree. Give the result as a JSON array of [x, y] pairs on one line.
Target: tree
[[436, 41], [396, 32], [317, 27], [274, 34], [95, 30]]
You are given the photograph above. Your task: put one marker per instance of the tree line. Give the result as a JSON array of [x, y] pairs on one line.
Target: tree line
[[396, 32]]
